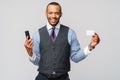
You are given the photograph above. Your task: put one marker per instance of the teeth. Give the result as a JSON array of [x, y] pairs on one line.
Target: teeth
[[53, 20]]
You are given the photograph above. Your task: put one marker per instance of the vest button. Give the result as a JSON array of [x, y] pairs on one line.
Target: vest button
[[54, 63]]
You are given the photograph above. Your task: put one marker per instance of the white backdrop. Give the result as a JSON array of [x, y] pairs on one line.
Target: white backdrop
[[103, 16]]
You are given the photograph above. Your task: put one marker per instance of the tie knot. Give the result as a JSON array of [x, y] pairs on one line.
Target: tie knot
[[53, 28]]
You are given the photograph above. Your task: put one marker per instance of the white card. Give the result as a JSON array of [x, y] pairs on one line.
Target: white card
[[90, 32]]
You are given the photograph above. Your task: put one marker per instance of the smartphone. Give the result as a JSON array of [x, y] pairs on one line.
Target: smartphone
[[27, 34]]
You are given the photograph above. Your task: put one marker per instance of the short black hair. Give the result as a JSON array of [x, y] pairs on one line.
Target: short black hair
[[54, 3]]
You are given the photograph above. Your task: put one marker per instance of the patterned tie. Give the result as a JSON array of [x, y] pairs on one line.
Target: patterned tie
[[53, 36]]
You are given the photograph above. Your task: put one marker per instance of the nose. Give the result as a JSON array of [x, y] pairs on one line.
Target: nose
[[53, 15]]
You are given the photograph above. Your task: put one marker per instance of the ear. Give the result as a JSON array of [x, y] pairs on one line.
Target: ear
[[61, 14], [46, 13]]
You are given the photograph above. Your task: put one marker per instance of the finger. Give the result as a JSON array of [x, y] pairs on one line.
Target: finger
[[31, 46], [28, 37], [31, 43], [96, 40], [28, 43], [96, 36], [29, 40]]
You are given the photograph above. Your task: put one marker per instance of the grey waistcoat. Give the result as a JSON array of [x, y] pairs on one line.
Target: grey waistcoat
[[55, 56]]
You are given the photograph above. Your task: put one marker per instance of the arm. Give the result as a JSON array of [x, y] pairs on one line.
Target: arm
[[33, 51], [78, 54]]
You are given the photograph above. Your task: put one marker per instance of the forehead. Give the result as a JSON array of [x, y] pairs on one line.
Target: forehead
[[53, 8]]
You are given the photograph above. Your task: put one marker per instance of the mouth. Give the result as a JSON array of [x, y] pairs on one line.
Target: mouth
[[53, 20]]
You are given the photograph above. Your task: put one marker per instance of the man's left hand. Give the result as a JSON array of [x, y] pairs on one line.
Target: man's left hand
[[94, 41]]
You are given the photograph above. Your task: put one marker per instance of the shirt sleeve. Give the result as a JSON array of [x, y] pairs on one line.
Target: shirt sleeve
[[77, 54], [36, 51], [87, 51]]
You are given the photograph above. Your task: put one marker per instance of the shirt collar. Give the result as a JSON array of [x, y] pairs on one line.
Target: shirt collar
[[50, 27]]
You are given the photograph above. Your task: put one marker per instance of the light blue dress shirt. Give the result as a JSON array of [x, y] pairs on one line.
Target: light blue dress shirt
[[76, 53]]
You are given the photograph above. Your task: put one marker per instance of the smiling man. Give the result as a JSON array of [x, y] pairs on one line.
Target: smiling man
[[53, 45]]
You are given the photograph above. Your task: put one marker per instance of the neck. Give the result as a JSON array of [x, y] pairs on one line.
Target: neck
[[53, 26]]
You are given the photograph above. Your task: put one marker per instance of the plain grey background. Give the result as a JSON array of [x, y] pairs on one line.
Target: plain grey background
[[103, 16]]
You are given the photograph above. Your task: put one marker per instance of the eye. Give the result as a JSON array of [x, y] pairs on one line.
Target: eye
[[57, 13], [50, 13]]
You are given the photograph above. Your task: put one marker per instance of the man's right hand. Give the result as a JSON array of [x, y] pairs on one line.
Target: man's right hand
[[28, 45]]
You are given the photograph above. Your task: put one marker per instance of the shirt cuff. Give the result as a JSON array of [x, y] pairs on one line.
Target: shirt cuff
[[87, 51], [33, 57]]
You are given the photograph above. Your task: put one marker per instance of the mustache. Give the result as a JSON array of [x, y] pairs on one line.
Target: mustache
[[54, 18]]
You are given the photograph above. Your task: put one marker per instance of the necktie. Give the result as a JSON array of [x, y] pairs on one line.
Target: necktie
[[53, 36]]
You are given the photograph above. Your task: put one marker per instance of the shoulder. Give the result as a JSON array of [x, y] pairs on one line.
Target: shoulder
[[36, 33], [64, 26], [71, 32], [70, 29], [42, 28]]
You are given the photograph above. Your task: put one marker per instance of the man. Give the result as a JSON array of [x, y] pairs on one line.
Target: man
[[54, 44]]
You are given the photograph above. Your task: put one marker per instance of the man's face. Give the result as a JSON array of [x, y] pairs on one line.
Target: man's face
[[53, 14]]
